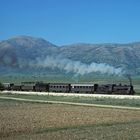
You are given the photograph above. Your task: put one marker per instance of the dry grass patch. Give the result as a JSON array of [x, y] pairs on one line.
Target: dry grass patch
[[21, 119]]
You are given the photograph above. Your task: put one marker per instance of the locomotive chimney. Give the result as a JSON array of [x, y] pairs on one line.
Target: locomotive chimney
[[129, 78], [131, 86]]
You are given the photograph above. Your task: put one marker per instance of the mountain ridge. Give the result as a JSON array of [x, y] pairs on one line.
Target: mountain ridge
[[22, 51]]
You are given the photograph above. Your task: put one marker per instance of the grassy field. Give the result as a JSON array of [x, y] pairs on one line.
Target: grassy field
[[101, 79], [24, 120], [89, 100]]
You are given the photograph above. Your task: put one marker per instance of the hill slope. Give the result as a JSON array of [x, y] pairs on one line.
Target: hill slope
[[24, 53]]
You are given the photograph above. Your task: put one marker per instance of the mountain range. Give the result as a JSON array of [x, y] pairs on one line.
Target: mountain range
[[23, 54]]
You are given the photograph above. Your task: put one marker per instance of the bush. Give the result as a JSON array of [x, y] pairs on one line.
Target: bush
[[1, 86]]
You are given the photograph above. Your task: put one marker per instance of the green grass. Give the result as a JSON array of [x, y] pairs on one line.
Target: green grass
[[10, 103], [70, 78], [89, 100]]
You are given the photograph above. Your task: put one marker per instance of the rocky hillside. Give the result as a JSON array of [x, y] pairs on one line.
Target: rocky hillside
[[23, 49], [126, 56], [28, 52]]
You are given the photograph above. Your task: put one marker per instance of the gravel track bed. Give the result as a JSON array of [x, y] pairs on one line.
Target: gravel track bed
[[75, 94]]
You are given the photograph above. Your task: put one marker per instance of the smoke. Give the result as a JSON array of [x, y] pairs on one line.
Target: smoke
[[76, 67], [128, 76]]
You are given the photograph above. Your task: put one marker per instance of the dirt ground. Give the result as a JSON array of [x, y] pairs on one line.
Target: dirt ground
[[19, 120]]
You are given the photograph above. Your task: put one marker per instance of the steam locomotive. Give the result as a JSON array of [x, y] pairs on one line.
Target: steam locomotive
[[87, 88]]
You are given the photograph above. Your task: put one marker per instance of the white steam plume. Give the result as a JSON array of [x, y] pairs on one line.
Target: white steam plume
[[77, 67]]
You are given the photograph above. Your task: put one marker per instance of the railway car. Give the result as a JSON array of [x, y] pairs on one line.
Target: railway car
[[40, 86], [16, 87], [82, 88], [59, 87], [104, 89], [7, 86], [28, 86]]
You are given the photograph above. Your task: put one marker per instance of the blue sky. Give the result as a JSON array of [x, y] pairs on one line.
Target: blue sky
[[72, 21]]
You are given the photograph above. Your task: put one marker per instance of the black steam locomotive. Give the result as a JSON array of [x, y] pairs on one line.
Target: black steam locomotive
[[71, 88]]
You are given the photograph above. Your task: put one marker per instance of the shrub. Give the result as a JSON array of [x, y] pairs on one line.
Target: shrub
[[1, 86]]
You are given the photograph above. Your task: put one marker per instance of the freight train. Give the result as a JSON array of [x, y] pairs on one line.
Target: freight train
[[86, 88]]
